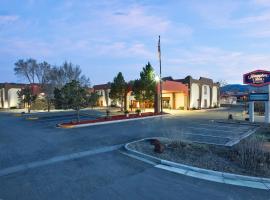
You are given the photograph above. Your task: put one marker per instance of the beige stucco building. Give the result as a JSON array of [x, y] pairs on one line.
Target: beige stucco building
[[9, 96], [187, 93]]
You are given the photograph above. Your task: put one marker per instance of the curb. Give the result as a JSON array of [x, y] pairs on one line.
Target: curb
[[238, 123], [17, 115], [205, 174], [209, 109], [32, 118], [109, 122], [66, 126]]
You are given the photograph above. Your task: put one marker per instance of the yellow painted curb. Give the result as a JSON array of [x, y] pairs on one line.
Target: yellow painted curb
[[32, 118], [17, 115], [67, 126]]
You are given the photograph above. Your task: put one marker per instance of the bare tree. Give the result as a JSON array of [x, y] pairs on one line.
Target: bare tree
[[26, 69], [49, 77], [42, 71], [222, 83], [67, 73]]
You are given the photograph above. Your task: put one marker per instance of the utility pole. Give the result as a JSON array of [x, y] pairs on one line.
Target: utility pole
[[160, 77]]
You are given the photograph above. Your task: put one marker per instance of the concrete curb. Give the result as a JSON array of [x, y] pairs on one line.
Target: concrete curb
[[31, 118], [109, 122], [238, 122], [209, 109], [210, 175]]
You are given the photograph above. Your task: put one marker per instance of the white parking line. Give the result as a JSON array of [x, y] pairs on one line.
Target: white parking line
[[216, 125], [210, 129], [213, 136], [18, 168]]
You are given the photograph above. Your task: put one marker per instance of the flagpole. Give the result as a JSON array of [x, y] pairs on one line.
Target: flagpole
[[160, 77]]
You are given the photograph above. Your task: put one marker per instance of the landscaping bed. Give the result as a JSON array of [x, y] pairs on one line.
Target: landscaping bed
[[112, 118], [249, 157]]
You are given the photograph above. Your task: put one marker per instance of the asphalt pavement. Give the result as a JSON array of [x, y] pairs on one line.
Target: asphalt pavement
[[69, 163]]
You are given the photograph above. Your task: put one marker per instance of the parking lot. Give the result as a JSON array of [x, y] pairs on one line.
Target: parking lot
[[198, 130], [40, 161], [51, 119]]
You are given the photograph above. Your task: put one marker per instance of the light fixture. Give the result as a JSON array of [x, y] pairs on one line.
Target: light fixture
[[157, 78]]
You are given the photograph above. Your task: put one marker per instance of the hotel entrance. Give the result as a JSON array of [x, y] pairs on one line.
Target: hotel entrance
[[166, 102]]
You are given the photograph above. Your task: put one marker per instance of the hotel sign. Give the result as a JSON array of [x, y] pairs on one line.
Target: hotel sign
[[258, 97], [257, 78]]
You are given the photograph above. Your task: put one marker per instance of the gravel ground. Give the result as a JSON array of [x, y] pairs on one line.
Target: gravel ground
[[206, 156]]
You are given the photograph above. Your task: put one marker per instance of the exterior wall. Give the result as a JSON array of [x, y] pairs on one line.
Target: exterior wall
[[102, 98], [180, 100], [129, 99], [228, 100], [3, 101], [177, 100], [214, 96], [205, 96], [13, 100], [194, 95]]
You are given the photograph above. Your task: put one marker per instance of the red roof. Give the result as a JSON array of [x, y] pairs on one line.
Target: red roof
[[173, 86], [102, 87]]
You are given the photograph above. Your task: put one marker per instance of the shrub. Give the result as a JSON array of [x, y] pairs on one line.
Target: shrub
[[182, 108], [178, 144], [138, 111], [39, 104], [108, 112], [126, 112], [250, 153]]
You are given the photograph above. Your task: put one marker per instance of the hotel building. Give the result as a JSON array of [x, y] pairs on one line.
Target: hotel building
[[187, 93]]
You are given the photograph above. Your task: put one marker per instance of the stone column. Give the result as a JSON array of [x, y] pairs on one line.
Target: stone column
[[211, 95], [200, 96], [173, 101], [251, 111], [267, 106]]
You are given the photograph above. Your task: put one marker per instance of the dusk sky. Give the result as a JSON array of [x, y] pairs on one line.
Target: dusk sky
[[216, 39]]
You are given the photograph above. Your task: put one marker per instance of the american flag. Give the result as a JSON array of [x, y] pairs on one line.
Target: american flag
[[159, 52]]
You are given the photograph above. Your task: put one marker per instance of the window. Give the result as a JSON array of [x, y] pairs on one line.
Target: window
[[205, 89]]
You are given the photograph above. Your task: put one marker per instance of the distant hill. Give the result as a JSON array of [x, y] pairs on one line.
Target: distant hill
[[234, 88]]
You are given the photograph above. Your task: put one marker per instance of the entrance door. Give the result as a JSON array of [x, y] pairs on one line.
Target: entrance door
[[166, 102], [205, 103]]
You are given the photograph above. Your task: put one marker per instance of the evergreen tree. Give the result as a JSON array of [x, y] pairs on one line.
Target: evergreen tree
[[145, 88], [26, 96], [74, 96], [93, 99], [118, 89]]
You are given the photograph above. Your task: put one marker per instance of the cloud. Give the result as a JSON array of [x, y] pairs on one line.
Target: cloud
[[229, 65], [5, 19], [136, 19], [122, 49], [262, 2], [249, 19], [25, 48]]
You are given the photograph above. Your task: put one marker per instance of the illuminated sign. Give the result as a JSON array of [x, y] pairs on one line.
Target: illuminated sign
[[258, 97], [257, 78]]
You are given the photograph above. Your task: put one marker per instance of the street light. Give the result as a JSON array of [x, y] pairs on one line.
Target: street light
[[157, 78]]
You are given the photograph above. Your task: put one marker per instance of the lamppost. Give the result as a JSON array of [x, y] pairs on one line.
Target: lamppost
[[157, 98], [160, 77]]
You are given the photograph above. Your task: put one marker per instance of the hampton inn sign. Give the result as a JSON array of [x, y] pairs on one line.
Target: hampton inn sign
[[257, 78], [261, 80]]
